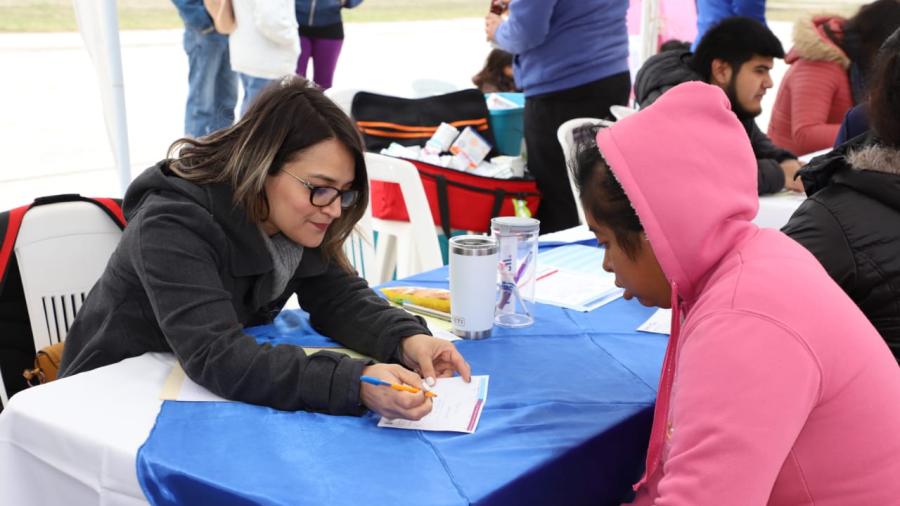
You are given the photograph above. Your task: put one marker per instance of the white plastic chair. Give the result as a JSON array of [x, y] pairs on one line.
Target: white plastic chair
[[564, 135], [360, 249], [62, 249], [409, 246]]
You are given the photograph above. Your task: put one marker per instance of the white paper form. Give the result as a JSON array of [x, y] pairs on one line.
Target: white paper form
[[178, 387], [660, 322], [570, 235], [573, 277], [457, 407]]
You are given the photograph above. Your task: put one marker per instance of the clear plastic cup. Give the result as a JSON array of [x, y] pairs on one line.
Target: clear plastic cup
[[517, 241]]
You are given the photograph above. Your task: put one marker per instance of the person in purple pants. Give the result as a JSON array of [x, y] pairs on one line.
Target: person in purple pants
[[321, 37]]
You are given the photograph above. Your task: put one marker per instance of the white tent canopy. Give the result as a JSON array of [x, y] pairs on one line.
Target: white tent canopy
[[99, 26]]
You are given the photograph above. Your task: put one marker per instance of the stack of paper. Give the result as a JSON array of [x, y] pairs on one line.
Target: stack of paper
[[573, 277]]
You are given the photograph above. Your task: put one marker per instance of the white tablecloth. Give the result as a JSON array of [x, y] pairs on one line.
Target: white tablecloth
[[775, 210], [74, 441]]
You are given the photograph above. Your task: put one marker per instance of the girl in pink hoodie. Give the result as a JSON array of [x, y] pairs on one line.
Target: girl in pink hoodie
[[775, 388]]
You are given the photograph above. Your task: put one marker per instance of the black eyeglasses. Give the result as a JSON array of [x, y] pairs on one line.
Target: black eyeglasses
[[322, 196]]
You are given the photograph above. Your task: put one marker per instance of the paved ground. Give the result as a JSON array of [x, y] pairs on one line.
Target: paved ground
[[52, 134]]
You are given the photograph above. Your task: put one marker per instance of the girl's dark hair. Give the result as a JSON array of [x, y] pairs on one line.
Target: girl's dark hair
[[492, 77], [290, 115], [884, 98], [603, 196]]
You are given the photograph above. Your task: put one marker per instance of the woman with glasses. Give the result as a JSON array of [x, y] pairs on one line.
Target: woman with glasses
[[222, 233]]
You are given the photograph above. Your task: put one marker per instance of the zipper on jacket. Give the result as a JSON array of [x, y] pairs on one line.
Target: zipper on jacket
[[312, 12]]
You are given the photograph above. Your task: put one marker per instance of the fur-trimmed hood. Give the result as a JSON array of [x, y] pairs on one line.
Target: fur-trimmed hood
[[812, 43], [863, 164], [875, 157]]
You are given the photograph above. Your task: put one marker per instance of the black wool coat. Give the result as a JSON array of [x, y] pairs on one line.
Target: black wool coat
[[851, 223], [191, 271]]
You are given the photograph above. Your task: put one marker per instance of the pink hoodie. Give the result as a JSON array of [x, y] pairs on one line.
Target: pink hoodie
[[776, 389]]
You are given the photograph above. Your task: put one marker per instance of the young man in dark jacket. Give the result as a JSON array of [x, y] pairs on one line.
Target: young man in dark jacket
[[735, 55]]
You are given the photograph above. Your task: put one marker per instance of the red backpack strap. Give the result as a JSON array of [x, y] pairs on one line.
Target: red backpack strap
[[10, 222], [112, 207]]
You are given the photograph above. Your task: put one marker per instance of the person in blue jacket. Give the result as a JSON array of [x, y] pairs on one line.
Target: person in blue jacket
[[710, 12], [321, 37], [571, 60], [212, 85]]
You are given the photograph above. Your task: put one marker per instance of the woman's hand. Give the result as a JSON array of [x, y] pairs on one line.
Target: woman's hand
[[433, 358], [392, 403]]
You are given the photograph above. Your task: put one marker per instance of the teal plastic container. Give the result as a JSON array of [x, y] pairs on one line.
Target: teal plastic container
[[508, 124]]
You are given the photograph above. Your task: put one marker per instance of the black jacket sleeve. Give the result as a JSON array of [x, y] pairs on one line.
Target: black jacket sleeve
[[768, 157], [342, 306], [815, 227], [179, 265]]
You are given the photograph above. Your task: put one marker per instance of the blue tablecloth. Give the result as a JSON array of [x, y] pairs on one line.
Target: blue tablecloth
[[566, 422]]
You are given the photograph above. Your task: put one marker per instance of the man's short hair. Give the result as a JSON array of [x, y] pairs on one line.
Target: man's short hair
[[734, 40]]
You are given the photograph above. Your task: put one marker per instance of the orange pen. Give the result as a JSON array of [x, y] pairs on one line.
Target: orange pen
[[403, 388]]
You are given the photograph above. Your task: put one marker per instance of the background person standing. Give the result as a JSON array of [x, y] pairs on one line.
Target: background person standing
[[212, 86], [571, 60], [264, 44], [321, 37]]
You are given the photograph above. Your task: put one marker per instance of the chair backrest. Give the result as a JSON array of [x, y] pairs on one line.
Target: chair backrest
[[62, 249], [565, 136], [360, 249], [410, 247]]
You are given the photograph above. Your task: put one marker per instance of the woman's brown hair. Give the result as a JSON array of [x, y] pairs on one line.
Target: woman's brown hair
[[290, 115], [884, 99]]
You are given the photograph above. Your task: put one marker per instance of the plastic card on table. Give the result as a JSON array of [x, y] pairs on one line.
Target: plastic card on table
[[659, 322], [457, 407]]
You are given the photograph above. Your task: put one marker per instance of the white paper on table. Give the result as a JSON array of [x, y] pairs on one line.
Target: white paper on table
[[659, 322], [575, 257], [178, 387], [809, 156], [440, 333], [580, 291], [569, 235], [457, 407]]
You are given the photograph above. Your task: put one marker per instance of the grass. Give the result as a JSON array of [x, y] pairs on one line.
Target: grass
[[59, 15]]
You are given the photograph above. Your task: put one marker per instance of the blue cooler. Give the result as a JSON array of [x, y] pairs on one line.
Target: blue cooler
[[508, 124]]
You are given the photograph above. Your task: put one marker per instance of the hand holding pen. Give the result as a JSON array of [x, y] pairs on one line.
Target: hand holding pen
[[403, 388], [393, 402]]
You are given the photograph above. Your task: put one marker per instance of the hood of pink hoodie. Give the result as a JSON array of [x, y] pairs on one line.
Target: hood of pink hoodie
[[686, 165]]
